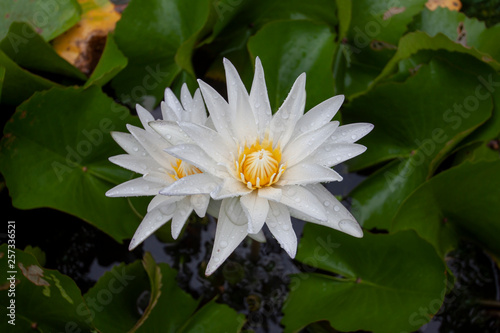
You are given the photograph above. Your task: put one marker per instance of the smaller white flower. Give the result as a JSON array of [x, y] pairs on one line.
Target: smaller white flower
[[146, 155]]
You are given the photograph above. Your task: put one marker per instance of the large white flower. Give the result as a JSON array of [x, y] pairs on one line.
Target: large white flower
[[270, 166], [146, 155]]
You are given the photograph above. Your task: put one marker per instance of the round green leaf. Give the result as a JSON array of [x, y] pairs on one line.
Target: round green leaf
[[157, 37], [298, 46], [55, 154], [43, 297], [462, 201], [387, 283], [48, 18]]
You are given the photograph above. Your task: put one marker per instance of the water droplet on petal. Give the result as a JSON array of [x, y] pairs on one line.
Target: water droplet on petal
[[297, 199], [285, 115], [326, 203], [336, 208], [286, 227], [223, 244], [353, 137], [339, 158], [216, 259], [135, 149]]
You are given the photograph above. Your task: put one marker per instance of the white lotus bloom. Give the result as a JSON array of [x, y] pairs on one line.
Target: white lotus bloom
[[146, 155], [270, 166]]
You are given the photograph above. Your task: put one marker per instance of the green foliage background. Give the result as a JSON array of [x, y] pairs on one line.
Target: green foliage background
[[428, 80]]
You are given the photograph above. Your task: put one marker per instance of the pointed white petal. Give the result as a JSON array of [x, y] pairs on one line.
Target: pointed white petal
[[145, 117], [153, 220], [230, 188], [134, 188], [210, 141], [186, 100], [259, 237], [200, 203], [129, 143], [219, 110], [181, 214], [234, 84], [283, 122], [319, 115], [256, 209], [137, 164], [167, 113], [329, 155], [259, 99], [200, 183], [338, 217], [280, 225], [173, 103], [198, 113], [163, 200], [229, 233], [270, 193], [153, 144], [170, 131], [350, 133], [302, 200], [158, 177], [196, 156], [305, 145], [305, 173], [214, 208]]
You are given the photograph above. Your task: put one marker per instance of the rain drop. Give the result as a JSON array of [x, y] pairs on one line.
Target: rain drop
[[223, 244], [216, 259], [354, 137], [339, 158], [135, 149], [285, 115], [297, 199], [326, 203], [336, 208], [286, 227]]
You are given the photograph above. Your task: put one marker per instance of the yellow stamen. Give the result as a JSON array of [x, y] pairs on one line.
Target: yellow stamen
[[183, 169], [259, 165]]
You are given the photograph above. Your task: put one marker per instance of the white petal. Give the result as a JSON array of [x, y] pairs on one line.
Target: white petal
[[170, 131], [214, 208], [153, 144], [259, 100], [256, 209], [219, 110], [187, 101], [259, 237], [198, 111], [200, 183], [305, 173], [338, 217], [129, 143], [305, 145], [209, 140], [319, 115], [137, 164], [134, 188], [242, 121], [200, 203], [182, 212], [350, 133], [329, 155], [196, 156], [167, 113], [280, 225], [270, 193], [163, 200], [283, 122], [153, 220], [173, 103], [159, 177], [302, 200], [145, 116], [230, 188], [229, 233]]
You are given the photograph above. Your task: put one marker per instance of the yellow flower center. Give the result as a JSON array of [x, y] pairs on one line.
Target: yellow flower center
[[183, 169], [259, 165]]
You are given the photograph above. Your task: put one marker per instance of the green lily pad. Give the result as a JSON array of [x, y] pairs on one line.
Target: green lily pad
[[48, 18], [417, 123], [114, 301], [55, 154], [19, 84], [459, 202], [469, 32], [30, 51], [158, 38], [380, 283], [298, 46], [44, 298], [112, 61]]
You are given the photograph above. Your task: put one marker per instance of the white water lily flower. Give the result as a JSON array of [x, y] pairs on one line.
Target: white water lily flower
[[146, 155], [270, 166]]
